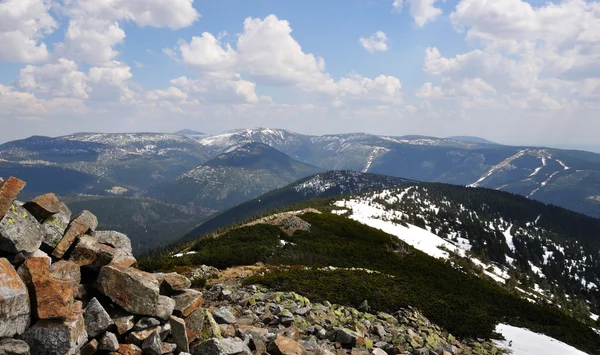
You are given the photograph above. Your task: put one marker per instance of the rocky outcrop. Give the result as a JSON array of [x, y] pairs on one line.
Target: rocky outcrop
[[66, 288]]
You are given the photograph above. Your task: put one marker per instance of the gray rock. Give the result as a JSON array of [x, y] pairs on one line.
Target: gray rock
[[133, 290], [302, 311], [109, 342], [187, 301], [13, 347], [229, 346], [172, 282], [50, 338], [179, 334], [20, 231], [116, 240], [380, 330], [421, 351], [164, 307], [15, 311], [152, 345], [223, 315], [91, 254], [54, 227], [96, 318], [124, 323], [364, 306], [168, 348], [343, 336], [145, 323]]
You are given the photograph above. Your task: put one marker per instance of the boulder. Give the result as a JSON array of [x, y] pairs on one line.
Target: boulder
[[152, 345], [96, 318], [201, 325], [284, 346], [108, 342], [19, 231], [133, 290], [54, 227], [145, 323], [229, 346], [9, 190], [90, 348], [343, 336], [129, 349], [164, 307], [223, 315], [15, 311], [91, 254], [172, 282], [124, 323], [43, 206], [80, 225], [138, 337], [179, 334], [116, 240], [13, 347], [50, 338], [168, 348], [187, 301], [66, 271], [53, 298]]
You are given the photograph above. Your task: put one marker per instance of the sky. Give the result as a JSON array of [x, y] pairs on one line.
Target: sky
[[511, 71]]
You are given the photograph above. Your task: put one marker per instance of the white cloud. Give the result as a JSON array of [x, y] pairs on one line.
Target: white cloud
[[170, 94], [206, 54], [382, 88], [375, 43], [60, 79], [111, 83], [23, 23], [422, 11], [94, 26], [217, 90]]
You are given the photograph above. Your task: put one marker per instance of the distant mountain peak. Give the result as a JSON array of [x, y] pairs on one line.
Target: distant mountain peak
[[190, 132], [472, 139]]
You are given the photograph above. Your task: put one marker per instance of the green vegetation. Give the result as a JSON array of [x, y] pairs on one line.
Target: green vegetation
[[462, 303]]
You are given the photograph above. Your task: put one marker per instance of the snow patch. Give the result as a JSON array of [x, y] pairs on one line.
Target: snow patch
[[521, 341]]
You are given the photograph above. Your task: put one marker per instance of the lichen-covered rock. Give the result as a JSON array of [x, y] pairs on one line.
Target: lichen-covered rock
[[187, 301], [133, 290], [9, 190], [66, 271], [19, 231], [53, 298], [201, 325], [172, 282], [13, 347], [179, 334], [96, 318], [50, 338], [54, 227], [15, 311], [43, 206], [91, 254], [80, 225], [108, 342]]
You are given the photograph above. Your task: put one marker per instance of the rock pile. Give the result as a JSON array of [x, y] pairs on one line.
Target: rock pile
[[67, 288]]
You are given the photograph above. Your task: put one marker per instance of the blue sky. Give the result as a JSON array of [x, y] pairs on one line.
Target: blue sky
[[508, 70]]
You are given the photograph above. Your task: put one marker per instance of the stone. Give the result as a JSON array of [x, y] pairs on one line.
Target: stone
[[172, 282], [378, 351], [343, 336], [53, 298], [109, 342], [129, 349], [146, 322], [90, 348], [168, 348], [49, 337], [152, 345], [164, 307], [91, 254], [9, 190], [66, 271], [356, 351], [123, 261], [43, 206], [138, 337], [165, 331], [187, 301], [133, 290], [15, 310], [124, 323], [114, 239], [96, 318], [13, 347], [364, 306], [80, 225], [54, 227], [229, 346], [179, 334], [19, 231], [223, 315], [200, 324], [284, 346]]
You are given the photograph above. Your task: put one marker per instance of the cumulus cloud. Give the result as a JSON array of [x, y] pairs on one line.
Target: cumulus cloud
[[23, 23], [60, 79], [375, 43], [422, 11]]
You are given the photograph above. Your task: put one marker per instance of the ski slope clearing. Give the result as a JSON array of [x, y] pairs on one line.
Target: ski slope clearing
[[520, 341]]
